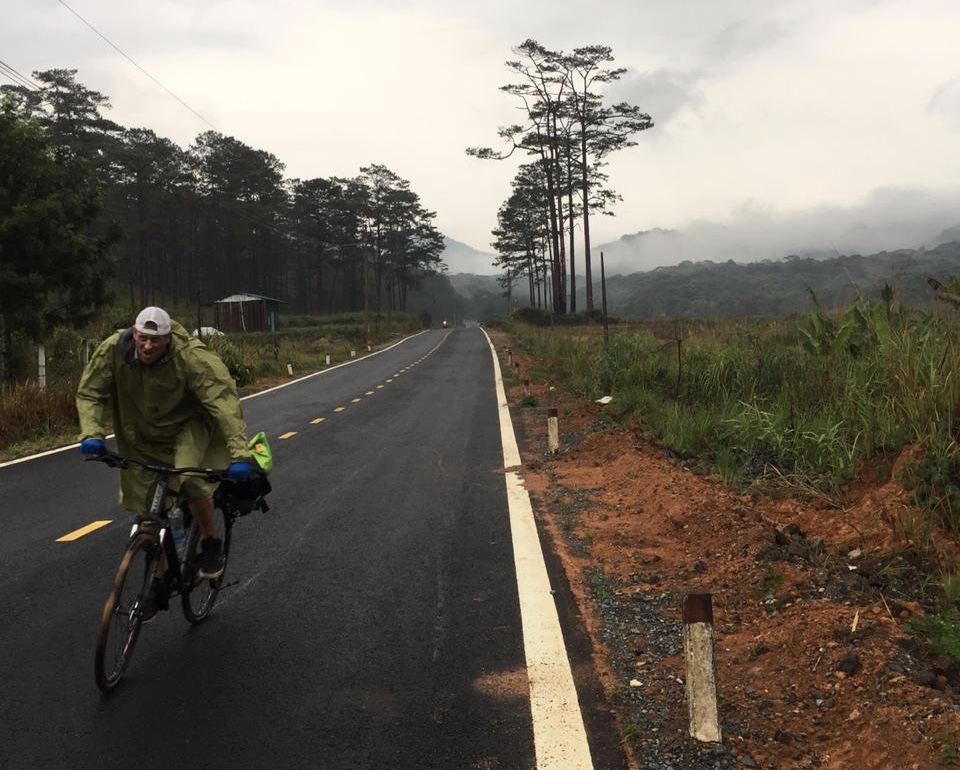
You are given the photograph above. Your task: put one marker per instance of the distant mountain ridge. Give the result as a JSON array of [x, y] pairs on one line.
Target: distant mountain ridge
[[771, 288], [461, 258], [712, 290], [759, 240]]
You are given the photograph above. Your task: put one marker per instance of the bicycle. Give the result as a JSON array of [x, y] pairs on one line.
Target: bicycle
[[153, 570]]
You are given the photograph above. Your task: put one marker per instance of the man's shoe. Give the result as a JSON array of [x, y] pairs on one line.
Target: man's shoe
[[210, 562]]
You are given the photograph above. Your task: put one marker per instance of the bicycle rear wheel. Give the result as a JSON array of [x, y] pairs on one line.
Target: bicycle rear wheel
[[200, 594], [123, 611]]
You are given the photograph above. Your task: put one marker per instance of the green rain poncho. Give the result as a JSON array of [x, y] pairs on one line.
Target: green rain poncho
[[182, 410]]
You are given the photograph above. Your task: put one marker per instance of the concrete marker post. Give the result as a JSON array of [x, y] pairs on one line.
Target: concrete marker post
[[553, 430], [328, 359], [42, 366], [509, 357], [290, 369], [526, 387], [701, 667], [516, 369]]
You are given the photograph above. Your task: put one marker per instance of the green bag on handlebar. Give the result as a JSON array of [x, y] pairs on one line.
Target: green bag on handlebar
[[260, 451]]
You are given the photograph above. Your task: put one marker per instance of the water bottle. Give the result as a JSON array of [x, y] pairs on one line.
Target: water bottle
[[177, 529]]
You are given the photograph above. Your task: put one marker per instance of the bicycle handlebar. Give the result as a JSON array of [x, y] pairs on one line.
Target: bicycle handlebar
[[119, 461]]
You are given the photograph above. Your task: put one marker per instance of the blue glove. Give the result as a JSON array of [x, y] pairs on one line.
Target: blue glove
[[93, 446], [239, 471]]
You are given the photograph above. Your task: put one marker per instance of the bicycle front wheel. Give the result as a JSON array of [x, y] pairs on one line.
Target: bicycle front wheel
[[123, 612], [200, 594]]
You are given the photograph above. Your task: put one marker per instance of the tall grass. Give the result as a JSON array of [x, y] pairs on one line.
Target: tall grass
[[794, 404], [796, 400], [30, 415]]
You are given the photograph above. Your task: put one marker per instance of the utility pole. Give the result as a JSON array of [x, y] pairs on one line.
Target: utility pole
[[603, 295]]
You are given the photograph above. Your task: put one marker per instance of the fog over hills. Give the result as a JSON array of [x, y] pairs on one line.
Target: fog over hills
[[889, 219], [461, 258]]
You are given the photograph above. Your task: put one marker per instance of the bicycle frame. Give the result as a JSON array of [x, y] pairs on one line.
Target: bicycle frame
[[161, 572], [157, 516]]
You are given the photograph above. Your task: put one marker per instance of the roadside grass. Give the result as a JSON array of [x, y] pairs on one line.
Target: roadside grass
[[797, 406], [33, 418]]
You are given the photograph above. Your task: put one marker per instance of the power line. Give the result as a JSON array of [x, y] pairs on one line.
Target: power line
[[15, 77], [119, 51], [224, 204], [117, 48]]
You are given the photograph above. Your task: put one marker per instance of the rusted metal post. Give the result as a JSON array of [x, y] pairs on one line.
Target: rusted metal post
[[701, 667], [553, 430]]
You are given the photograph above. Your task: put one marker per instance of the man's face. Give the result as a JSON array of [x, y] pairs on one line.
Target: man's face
[[150, 347]]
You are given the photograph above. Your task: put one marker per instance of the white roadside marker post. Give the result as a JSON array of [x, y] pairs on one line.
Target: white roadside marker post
[[553, 430], [701, 667]]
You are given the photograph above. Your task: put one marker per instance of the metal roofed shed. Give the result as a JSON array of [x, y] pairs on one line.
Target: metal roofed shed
[[247, 313]]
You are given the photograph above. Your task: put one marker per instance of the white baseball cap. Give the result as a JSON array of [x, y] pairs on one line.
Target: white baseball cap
[[154, 321]]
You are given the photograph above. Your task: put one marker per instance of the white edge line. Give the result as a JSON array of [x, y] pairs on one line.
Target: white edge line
[[559, 735], [73, 446]]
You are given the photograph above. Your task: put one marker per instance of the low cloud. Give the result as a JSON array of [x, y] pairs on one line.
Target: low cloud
[[744, 38], [889, 219], [945, 103], [661, 93]]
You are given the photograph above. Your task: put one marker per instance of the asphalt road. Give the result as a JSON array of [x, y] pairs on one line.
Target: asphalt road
[[373, 621]]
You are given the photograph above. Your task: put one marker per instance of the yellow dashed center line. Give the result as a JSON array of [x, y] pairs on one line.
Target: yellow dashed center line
[[78, 533], [357, 400], [291, 434]]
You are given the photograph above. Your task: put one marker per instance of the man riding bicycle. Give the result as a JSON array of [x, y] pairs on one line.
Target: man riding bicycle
[[172, 401]]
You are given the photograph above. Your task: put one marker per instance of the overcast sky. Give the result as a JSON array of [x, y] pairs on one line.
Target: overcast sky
[[770, 115]]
